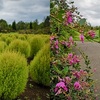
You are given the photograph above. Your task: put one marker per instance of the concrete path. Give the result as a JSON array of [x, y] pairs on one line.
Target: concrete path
[[92, 49]]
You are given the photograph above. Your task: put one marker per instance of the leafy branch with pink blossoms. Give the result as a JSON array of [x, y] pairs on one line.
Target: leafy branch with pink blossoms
[[68, 80]]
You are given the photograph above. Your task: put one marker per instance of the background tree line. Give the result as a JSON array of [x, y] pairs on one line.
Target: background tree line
[[26, 27]]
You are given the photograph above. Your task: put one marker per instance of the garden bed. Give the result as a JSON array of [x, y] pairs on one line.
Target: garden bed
[[22, 55], [34, 91]]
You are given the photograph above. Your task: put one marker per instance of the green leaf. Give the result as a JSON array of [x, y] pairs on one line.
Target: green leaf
[[82, 21], [60, 14], [57, 70], [65, 71]]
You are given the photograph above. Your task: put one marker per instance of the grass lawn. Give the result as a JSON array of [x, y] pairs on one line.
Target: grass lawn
[[96, 39]]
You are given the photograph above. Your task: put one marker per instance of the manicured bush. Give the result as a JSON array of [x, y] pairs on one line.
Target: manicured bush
[[20, 46], [46, 38], [40, 66], [13, 75], [8, 40], [3, 37], [36, 43], [21, 37], [3, 45]]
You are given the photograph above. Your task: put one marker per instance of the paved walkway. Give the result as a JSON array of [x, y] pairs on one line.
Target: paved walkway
[[92, 49]]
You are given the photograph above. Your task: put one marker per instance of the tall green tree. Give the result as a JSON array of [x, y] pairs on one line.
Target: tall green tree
[[14, 25], [35, 24], [3, 25], [31, 26], [21, 25], [47, 21]]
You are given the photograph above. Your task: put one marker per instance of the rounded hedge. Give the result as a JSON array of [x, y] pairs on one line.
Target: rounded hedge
[[36, 43], [3, 45], [13, 75], [21, 37], [45, 38], [20, 46], [40, 66], [3, 37], [8, 40]]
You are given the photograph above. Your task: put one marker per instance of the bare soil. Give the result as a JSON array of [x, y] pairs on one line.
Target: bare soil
[[34, 91]]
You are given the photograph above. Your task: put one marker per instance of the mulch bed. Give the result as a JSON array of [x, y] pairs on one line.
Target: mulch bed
[[35, 91]]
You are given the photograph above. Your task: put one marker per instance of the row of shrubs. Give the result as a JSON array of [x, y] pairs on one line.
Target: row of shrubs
[[14, 69], [45, 30], [28, 45]]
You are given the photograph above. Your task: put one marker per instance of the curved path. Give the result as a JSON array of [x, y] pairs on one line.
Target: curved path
[[92, 49]]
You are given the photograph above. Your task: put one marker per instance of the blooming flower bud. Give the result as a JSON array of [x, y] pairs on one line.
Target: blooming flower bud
[[82, 38], [60, 87], [56, 44], [91, 33], [68, 18], [67, 79], [73, 59], [77, 86], [71, 40]]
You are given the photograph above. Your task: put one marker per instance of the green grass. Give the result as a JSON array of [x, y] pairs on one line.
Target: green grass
[[96, 39]]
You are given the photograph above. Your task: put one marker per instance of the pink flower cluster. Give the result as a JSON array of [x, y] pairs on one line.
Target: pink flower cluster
[[54, 43], [84, 84], [60, 88], [63, 85], [81, 37], [65, 43], [68, 18], [67, 80], [72, 59], [79, 74], [91, 33], [69, 43], [77, 85], [52, 38]]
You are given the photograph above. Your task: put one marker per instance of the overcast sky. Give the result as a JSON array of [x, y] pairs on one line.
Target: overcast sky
[[90, 9], [24, 10]]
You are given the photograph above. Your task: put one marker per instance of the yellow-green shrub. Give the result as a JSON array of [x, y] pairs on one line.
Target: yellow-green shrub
[[40, 66], [3, 37], [21, 37], [36, 43], [8, 40], [46, 38], [20, 46], [3, 45], [13, 75]]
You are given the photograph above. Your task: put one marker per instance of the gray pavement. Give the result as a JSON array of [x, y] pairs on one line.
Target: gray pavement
[[92, 49]]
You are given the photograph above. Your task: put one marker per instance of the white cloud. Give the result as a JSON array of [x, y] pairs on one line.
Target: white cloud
[[25, 10], [90, 9]]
